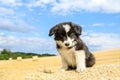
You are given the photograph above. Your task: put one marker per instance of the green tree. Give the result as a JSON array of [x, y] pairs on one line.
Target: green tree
[[7, 52], [4, 51], [4, 57]]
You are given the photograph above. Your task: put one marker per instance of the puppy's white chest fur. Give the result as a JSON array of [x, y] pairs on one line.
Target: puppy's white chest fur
[[68, 55]]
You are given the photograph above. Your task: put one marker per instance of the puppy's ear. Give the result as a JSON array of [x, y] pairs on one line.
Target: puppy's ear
[[53, 30], [77, 28]]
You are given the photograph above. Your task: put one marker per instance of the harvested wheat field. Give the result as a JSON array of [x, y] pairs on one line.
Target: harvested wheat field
[[107, 67]]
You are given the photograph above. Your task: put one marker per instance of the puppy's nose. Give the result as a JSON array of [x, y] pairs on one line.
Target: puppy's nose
[[66, 44]]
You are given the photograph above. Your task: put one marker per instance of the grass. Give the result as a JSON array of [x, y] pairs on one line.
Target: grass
[[107, 67]]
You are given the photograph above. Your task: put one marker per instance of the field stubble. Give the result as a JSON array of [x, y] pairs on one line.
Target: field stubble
[[107, 67]]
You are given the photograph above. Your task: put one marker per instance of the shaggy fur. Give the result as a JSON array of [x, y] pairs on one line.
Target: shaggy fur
[[74, 53]]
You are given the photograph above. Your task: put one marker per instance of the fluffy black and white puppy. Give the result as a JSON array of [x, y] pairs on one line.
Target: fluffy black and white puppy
[[74, 53]]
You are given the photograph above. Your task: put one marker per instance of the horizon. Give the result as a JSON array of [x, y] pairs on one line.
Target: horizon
[[25, 24]]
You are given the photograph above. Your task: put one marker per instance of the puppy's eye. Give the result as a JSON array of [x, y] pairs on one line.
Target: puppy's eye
[[72, 35]]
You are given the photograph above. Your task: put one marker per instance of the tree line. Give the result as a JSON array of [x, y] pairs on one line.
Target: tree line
[[6, 54]]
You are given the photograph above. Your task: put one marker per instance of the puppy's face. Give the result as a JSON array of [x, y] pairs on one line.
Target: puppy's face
[[66, 34]]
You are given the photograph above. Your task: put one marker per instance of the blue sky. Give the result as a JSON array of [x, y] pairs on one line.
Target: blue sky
[[25, 24]]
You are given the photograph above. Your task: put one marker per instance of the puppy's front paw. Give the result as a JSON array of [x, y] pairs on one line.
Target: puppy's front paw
[[63, 70], [81, 69]]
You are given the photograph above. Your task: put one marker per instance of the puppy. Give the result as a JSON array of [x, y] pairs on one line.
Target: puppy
[[73, 51]]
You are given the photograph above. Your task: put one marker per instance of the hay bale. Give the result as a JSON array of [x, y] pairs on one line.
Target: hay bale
[[35, 58], [10, 59], [19, 58]]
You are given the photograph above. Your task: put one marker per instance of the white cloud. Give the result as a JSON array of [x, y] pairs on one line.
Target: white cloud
[[64, 7], [8, 1], [29, 3], [15, 25], [6, 11], [39, 3], [11, 19], [102, 41], [95, 41], [97, 24], [11, 3], [27, 44]]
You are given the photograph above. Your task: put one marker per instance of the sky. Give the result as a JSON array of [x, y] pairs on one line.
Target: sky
[[25, 24]]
